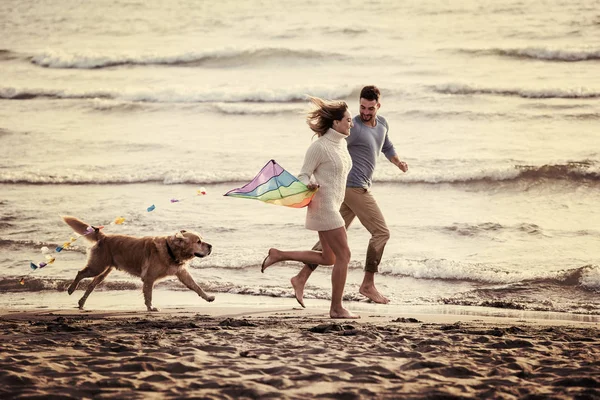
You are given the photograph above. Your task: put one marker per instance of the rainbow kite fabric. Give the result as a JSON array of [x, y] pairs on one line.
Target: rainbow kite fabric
[[275, 185]]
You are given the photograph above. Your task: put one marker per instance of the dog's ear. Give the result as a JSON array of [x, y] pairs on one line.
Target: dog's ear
[[179, 235]]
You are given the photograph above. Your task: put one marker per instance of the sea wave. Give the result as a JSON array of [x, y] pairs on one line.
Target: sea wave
[[462, 89], [576, 171], [449, 270], [76, 177], [109, 105], [573, 171], [7, 55], [25, 244], [349, 31], [257, 108], [574, 291], [226, 57], [488, 116], [540, 53], [580, 171], [288, 94], [492, 228], [35, 284], [587, 277]]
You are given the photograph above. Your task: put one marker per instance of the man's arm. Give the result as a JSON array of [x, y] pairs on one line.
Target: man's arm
[[399, 163], [389, 150]]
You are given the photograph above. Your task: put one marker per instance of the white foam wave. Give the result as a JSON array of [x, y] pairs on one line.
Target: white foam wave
[[590, 278], [427, 174], [230, 56], [463, 89], [257, 108], [454, 270], [101, 104], [98, 177], [549, 54], [468, 172], [12, 93], [476, 171], [184, 95], [587, 276]]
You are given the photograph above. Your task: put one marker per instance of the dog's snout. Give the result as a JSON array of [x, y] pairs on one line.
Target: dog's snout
[[206, 250]]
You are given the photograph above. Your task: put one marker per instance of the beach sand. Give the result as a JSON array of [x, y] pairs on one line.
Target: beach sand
[[286, 352]]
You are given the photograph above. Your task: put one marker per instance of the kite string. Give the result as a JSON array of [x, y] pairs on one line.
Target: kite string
[[50, 259]]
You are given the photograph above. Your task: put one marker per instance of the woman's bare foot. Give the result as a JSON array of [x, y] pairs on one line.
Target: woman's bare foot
[[269, 260], [342, 313], [298, 286], [373, 294]]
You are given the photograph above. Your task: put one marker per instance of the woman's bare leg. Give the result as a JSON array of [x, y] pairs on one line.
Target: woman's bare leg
[[337, 241], [305, 256], [335, 251], [299, 282]]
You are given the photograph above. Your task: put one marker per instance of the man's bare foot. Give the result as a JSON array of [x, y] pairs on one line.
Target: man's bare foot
[[298, 290], [373, 294], [268, 261], [342, 313]]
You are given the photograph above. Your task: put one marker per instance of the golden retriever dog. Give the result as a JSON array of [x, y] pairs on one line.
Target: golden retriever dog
[[151, 258]]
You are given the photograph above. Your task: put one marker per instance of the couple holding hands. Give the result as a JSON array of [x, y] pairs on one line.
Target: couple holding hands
[[341, 163]]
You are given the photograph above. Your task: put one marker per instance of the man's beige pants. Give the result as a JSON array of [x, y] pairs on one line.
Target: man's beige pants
[[359, 202]]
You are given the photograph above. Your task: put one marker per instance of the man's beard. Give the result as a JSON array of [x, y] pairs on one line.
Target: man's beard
[[366, 118]]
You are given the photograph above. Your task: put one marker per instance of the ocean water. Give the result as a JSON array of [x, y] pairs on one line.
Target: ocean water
[[110, 106]]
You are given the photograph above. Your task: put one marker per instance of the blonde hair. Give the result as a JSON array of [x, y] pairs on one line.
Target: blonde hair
[[321, 118]]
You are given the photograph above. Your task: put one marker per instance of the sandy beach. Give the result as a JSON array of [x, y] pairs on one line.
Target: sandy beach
[[139, 116], [283, 352]]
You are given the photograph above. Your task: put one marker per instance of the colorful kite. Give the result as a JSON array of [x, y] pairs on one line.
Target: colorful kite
[[275, 185]]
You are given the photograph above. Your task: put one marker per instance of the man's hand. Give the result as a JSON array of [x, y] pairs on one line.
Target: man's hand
[[399, 163], [403, 166]]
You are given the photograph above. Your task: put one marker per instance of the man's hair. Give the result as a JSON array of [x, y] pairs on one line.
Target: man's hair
[[370, 93]]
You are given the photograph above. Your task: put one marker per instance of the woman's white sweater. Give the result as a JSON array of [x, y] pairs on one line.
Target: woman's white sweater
[[328, 161]]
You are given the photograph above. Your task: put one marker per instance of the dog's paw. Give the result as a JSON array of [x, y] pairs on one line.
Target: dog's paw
[[210, 299], [152, 309]]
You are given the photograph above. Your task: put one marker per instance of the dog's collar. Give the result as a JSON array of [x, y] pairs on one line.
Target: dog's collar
[[171, 254]]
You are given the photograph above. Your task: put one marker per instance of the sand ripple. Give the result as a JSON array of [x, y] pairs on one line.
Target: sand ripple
[[185, 356]]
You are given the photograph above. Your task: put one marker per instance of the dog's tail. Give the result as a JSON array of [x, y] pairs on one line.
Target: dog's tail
[[89, 232]]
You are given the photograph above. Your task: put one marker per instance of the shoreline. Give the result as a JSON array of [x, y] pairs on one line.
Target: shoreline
[[169, 301]]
